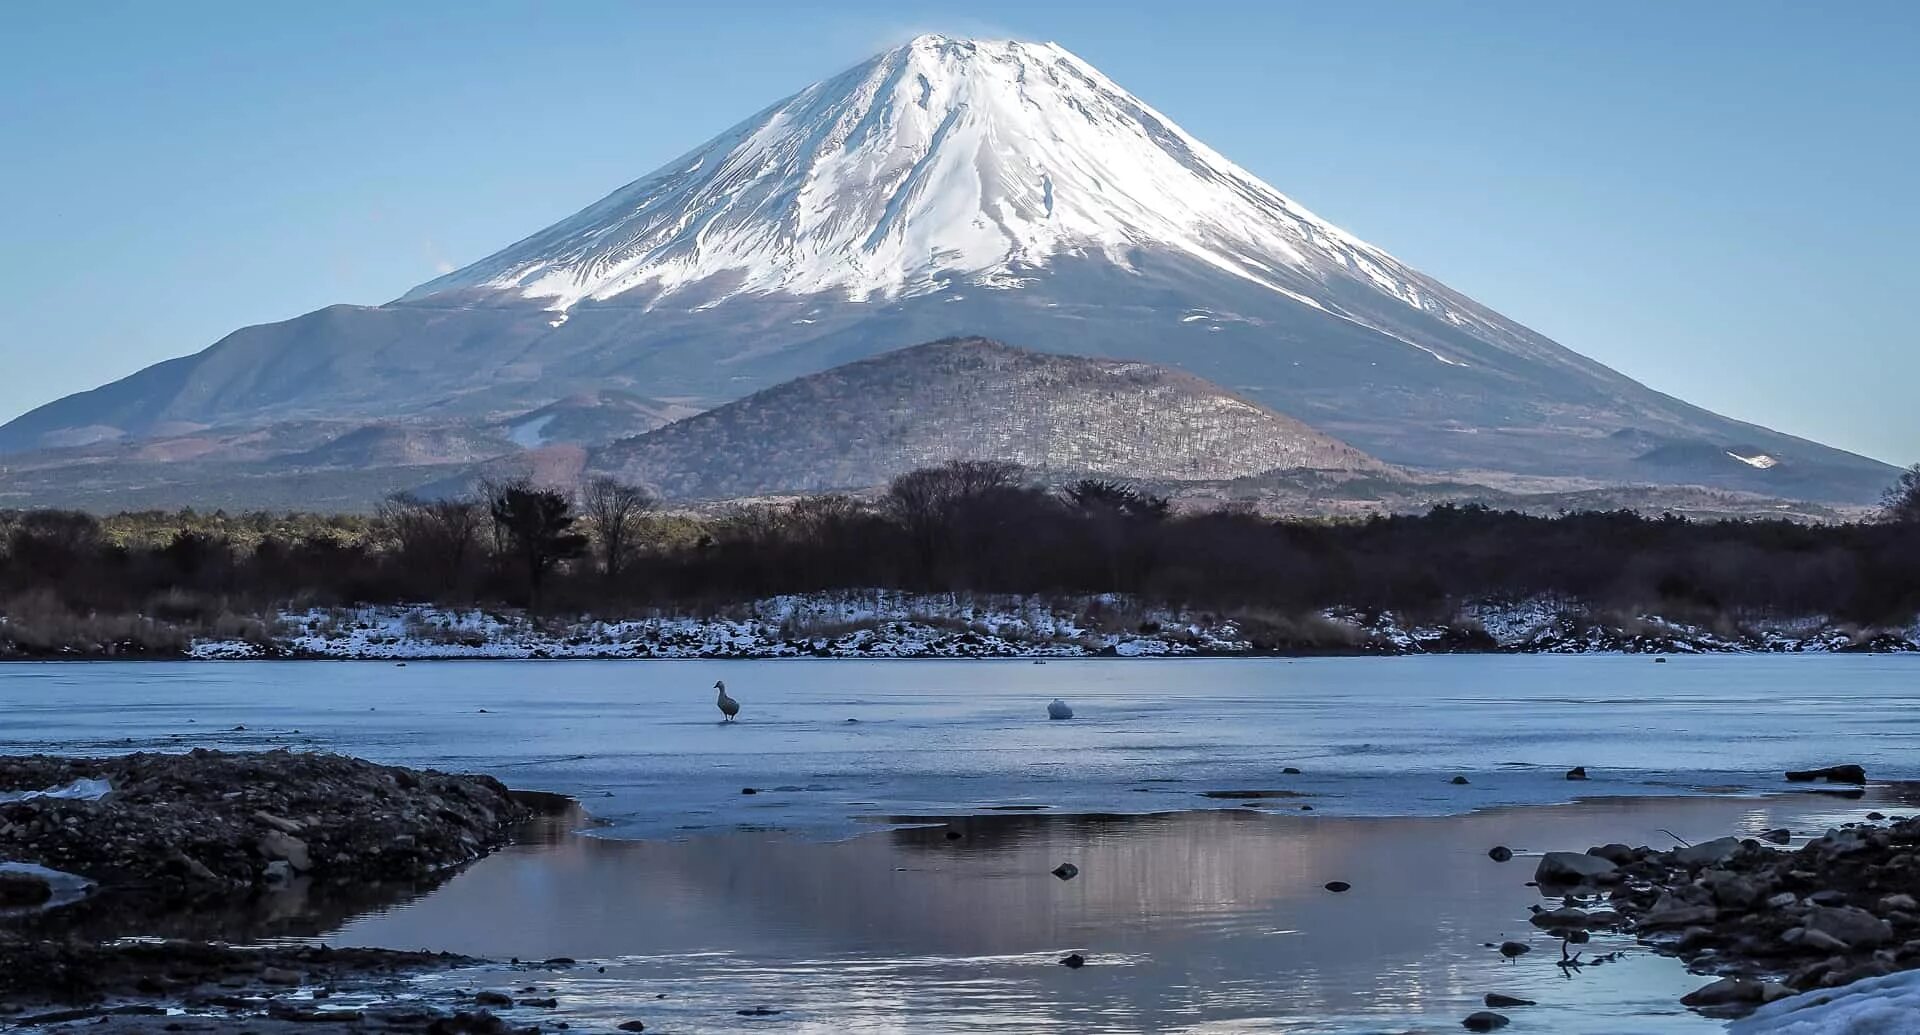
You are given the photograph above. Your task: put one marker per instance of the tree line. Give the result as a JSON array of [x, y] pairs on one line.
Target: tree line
[[965, 526]]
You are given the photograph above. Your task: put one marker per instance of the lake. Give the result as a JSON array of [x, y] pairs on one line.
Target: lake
[[835, 894]]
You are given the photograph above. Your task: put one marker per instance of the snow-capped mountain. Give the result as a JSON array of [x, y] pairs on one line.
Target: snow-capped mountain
[[943, 162], [952, 188]]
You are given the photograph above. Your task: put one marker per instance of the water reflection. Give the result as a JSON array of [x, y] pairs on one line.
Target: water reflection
[[1210, 920]]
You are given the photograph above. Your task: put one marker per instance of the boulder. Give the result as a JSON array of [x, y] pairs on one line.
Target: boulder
[[1578, 772], [1733, 991], [1485, 1020], [1777, 836], [1830, 774], [1066, 871], [1617, 854], [1707, 853], [1852, 926], [493, 999], [1570, 868], [1500, 853], [1497, 1001], [275, 844], [1565, 916], [1669, 913]]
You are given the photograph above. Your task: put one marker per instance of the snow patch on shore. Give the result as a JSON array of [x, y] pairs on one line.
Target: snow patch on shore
[[892, 624], [1877, 1006]]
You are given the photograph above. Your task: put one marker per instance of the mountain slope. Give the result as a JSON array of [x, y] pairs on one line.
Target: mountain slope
[[953, 188], [861, 424]]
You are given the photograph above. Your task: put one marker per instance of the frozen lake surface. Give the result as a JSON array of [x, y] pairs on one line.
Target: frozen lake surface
[[833, 746]]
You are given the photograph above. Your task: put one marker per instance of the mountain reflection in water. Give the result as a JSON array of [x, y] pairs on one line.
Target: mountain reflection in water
[[1202, 921]]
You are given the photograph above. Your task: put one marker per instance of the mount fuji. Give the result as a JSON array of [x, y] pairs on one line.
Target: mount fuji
[[957, 188]]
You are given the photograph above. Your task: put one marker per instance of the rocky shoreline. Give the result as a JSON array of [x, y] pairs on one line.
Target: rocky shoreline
[[202, 846], [1764, 919]]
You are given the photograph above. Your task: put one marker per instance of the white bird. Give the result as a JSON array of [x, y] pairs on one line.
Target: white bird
[[728, 706], [1059, 710]]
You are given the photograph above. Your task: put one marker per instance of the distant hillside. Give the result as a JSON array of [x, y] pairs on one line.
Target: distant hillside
[[863, 423]]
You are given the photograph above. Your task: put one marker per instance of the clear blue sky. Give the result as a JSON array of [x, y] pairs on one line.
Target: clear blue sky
[[1721, 199]]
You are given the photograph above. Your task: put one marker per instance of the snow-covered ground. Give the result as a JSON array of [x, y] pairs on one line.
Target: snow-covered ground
[[889, 624]]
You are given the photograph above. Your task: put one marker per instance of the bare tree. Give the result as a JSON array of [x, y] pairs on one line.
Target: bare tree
[[928, 502], [1901, 504], [439, 535], [614, 508]]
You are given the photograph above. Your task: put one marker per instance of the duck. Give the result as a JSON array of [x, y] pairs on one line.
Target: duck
[[728, 706], [1059, 710]]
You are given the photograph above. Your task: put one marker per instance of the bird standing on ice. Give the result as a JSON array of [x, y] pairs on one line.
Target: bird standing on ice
[[728, 706], [1059, 710]]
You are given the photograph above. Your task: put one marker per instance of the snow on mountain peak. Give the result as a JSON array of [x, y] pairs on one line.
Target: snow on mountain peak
[[939, 163]]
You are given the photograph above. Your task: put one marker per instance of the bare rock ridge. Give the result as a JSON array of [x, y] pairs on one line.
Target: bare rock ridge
[[948, 188], [861, 424]]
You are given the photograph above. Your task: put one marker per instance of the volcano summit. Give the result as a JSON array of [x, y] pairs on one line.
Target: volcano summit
[[958, 188]]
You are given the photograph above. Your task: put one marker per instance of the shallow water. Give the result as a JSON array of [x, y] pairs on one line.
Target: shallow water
[[1211, 921], [1192, 921], [832, 745]]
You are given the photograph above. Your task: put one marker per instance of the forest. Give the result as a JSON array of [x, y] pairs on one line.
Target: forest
[[965, 527]]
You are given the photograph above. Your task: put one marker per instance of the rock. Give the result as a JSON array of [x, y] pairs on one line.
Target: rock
[[1828, 897], [1901, 902], [278, 871], [954, 835], [493, 999], [1778, 836], [1732, 890], [1707, 853], [749, 790], [633, 1026], [1570, 868], [1497, 1001], [1459, 781], [1830, 774], [278, 976], [1852, 926], [1290, 771], [1670, 912], [277, 845], [18, 890], [1578, 772], [1073, 961], [1565, 916], [1500, 853], [1730, 991], [757, 1011], [1783, 900], [1617, 854], [1512, 949], [1338, 886], [1066, 871], [1485, 1020], [1875, 817], [285, 826], [1816, 941], [541, 1004]]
